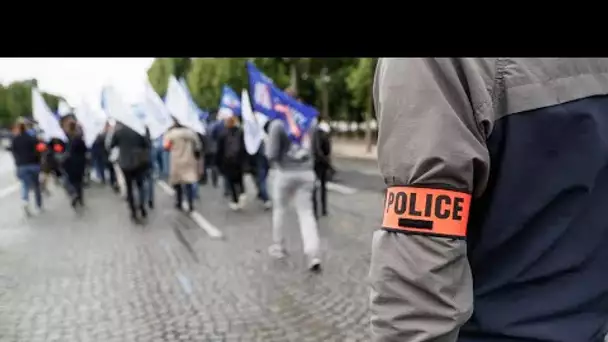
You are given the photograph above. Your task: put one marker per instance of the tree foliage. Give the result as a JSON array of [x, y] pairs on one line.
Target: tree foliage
[[16, 100], [348, 82]]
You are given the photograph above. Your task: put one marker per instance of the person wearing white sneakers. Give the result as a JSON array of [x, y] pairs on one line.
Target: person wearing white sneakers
[[232, 155], [294, 181]]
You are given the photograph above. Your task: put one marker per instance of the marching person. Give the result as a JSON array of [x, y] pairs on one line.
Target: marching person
[[294, 182], [494, 225], [183, 143], [134, 160], [321, 147], [26, 150], [231, 155], [74, 163]]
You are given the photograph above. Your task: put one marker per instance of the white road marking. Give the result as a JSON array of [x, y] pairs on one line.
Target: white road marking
[[184, 282], [9, 190], [342, 189], [331, 186], [201, 221]]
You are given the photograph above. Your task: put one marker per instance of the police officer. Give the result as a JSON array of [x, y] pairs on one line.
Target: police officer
[[497, 183]]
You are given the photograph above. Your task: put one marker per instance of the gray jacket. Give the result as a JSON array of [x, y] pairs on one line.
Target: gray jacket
[[286, 155], [522, 141]]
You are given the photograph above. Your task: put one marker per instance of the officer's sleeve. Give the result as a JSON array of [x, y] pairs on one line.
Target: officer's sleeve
[[432, 155]]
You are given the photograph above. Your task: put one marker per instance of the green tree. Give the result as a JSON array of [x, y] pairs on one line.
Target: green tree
[[16, 101], [162, 68], [359, 83]]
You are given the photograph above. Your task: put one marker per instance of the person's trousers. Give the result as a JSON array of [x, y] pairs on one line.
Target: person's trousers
[[135, 177], [74, 184], [100, 169], [111, 172], [166, 157], [295, 187], [235, 184], [261, 175], [210, 170], [28, 176], [149, 185], [321, 174], [120, 179], [179, 195]]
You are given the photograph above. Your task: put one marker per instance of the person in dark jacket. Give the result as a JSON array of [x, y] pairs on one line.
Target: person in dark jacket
[[321, 148], [231, 155], [149, 173], [99, 156], [75, 163], [134, 161], [26, 150]]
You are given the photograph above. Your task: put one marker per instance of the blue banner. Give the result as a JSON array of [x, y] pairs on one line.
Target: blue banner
[[269, 100], [231, 100]]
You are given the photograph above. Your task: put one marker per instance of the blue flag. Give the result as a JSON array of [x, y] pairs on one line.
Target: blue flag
[[230, 100], [269, 100]]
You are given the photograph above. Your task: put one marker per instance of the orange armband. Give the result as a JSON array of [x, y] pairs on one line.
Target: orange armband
[[167, 145], [426, 211]]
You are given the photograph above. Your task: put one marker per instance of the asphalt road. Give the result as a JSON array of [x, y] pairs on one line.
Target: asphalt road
[[98, 277]]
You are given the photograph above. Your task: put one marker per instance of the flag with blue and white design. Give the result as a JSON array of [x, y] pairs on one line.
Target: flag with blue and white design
[[230, 100], [273, 102], [201, 114]]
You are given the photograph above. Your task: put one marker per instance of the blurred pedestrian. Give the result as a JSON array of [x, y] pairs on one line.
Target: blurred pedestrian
[[26, 150], [149, 174], [293, 182], [321, 147], [232, 156], [74, 163], [183, 143], [134, 160]]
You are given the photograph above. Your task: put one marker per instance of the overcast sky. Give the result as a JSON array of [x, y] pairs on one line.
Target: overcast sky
[[76, 79]]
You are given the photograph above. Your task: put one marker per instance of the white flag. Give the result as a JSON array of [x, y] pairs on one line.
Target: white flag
[[45, 118], [252, 131], [116, 108], [63, 109], [91, 121], [178, 104], [157, 116]]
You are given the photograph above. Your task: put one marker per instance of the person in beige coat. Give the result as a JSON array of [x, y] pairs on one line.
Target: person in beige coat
[[184, 147]]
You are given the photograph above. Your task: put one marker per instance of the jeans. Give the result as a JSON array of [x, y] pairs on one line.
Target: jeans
[[29, 177], [100, 169], [261, 174], [166, 160]]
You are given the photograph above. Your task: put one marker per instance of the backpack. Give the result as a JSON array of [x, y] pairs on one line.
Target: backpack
[[302, 151], [233, 144]]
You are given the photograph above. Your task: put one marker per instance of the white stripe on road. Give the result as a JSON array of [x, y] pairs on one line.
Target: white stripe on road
[[9, 190], [205, 225], [342, 189]]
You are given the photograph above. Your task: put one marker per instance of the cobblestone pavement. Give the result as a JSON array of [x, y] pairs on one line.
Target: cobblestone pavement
[[98, 277]]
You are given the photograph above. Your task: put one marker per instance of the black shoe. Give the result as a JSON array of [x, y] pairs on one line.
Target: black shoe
[[74, 202], [151, 204], [178, 207], [144, 213]]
